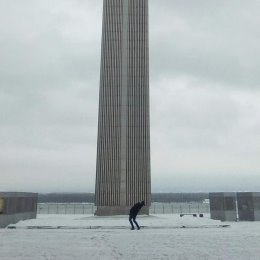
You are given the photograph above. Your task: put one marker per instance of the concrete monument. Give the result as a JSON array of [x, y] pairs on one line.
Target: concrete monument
[[123, 146]]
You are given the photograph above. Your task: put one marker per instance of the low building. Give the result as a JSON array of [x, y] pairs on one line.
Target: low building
[[223, 206], [248, 206], [16, 206]]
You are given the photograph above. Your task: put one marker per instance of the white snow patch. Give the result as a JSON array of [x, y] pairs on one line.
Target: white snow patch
[[238, 242]]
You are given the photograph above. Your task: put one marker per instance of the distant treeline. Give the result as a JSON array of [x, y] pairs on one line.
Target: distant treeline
[[90, 197]]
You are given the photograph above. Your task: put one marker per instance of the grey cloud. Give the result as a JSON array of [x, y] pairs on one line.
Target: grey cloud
[[204, 60], [48, 46], [49, 71], [44, 170], [218, 41]]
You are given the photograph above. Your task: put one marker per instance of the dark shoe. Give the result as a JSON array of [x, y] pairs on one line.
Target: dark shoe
[[138, 228], [132, 228]]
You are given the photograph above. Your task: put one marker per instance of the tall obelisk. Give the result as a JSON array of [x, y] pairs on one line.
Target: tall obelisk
[[123, 174]]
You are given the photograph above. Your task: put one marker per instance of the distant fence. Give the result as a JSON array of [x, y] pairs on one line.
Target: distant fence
[[66, 208], [179, 208], [156, 208]]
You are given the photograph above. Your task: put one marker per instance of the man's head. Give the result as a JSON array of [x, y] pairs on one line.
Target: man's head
[[142, 203]]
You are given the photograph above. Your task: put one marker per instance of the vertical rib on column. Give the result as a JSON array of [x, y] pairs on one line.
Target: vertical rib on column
[[124, 105]]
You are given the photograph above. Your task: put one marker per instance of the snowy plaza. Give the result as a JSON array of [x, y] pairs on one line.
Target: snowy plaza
[[161, 237]]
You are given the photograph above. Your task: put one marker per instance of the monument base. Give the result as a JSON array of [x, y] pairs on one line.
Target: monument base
[[118, 210]]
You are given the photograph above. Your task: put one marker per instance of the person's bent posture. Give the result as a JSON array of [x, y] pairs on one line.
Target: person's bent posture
[[133, 213]]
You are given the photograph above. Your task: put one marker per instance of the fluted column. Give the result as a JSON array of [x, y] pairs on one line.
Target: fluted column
[[123, 147]]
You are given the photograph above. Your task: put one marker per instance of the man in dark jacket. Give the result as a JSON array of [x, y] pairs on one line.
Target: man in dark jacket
[[133, 213]]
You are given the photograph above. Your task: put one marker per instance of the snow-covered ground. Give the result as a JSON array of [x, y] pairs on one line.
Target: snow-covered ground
[[163, 237]]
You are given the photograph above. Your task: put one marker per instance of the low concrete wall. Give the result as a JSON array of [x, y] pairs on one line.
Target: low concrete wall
[[223, 206], [16, 206], [6, 220], [248, 206]]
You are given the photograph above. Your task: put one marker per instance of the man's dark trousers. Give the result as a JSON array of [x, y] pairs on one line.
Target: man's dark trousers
[[131, 220]]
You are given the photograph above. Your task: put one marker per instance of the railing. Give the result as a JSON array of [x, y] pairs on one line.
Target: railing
[[156, 208], [179, 208], [66, 208]]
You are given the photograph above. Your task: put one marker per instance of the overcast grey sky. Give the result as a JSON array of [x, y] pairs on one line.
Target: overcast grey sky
[[204, 85]]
